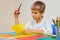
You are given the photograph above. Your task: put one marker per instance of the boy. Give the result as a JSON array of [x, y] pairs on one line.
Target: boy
[[39, 24]]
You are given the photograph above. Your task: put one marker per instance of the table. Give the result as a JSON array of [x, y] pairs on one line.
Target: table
[[28, 38]]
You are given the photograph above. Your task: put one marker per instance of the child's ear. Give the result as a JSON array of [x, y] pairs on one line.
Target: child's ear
[[43, 13]]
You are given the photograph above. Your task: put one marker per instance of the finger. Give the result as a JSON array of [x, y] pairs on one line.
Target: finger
[[17, 12]]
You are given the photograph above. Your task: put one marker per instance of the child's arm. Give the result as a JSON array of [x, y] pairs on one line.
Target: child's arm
[[34, 31], [39, 32], [27, 31], [16, 14]]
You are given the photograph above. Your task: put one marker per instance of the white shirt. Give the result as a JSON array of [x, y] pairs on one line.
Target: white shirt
[[45, 24]]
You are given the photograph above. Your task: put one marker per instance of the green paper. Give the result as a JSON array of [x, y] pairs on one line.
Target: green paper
[[47, 38]]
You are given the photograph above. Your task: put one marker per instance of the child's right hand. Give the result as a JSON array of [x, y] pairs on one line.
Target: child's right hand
[[16, 13]]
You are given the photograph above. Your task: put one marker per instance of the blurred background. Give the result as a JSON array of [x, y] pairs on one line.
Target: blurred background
[[7, 8]]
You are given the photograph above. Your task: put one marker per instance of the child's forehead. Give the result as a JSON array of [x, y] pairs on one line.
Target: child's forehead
[[34, 9]]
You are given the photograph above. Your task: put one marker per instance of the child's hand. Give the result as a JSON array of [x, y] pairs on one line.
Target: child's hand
[[27, 32], [16, 13], [39, 32]]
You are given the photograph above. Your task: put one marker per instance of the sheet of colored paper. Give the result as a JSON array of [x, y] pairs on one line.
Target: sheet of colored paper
[[47, 38], [30, 38]]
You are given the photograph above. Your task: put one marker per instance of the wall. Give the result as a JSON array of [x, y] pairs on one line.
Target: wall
[[7, 8]]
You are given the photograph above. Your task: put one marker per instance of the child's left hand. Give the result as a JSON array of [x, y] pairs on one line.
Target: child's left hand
[[34, 31], [27, 31], [39, 31]]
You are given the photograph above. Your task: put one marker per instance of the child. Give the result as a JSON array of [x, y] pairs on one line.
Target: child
[[39, 24]]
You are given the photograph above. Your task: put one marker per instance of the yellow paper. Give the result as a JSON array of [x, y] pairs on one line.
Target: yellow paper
[[19, 28]]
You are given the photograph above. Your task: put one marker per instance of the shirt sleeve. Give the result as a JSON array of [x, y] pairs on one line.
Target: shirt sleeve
[[27, 26], [48, 27]]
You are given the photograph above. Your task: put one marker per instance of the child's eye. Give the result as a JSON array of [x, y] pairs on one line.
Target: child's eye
[[35, 13]]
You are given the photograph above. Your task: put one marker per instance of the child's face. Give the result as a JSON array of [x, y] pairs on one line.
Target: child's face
[[36, 14]]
